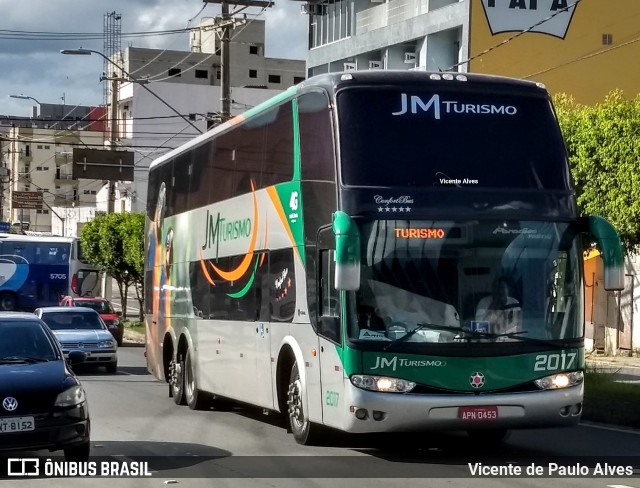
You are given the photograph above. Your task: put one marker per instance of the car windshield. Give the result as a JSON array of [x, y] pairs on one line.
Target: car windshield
[[22, 341], [468, 281], [72, 320], [100, 306]]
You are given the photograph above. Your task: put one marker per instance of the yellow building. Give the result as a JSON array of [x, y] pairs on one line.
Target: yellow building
[[585, 48]]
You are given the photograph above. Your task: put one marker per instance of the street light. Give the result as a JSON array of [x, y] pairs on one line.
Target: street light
[[142, 83], [25, 97]]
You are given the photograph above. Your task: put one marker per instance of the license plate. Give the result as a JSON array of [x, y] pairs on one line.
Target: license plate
[[17, 424], [478, 413]]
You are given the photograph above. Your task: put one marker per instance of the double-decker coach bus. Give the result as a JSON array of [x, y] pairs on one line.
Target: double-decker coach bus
[[374, 252], [37, 271]]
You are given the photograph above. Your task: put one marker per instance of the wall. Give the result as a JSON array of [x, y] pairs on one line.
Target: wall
[[579, 64]]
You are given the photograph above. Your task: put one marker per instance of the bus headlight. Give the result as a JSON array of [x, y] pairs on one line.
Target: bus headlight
[[560, 380], [382, 383]]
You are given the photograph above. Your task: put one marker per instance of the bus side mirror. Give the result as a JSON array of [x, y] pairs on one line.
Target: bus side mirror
[[610, 248], [347, 252]]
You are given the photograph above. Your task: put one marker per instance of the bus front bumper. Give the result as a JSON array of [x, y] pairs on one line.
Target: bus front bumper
[[369, 411]]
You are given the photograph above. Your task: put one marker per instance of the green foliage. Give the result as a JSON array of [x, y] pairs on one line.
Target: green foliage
[[603, 142], [115, 244]]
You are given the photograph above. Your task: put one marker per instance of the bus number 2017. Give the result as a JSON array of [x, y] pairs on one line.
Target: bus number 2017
[[552, 362]]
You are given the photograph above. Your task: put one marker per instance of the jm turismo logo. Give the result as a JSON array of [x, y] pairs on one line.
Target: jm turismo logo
[[395, 362], [415, 104]]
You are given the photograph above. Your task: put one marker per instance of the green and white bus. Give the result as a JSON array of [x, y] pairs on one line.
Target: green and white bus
[[336, 254]]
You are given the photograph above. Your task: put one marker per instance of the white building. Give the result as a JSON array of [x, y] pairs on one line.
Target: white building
[[189, 83], [40, 160], [393, 34]]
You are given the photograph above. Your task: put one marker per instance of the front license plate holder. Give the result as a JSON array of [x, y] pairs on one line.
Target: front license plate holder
[[485, 413]]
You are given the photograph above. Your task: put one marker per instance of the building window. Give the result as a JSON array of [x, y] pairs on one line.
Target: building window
[[253, 73], [274, 78], [175, 72], [42, 212], [40, 147], [298, 79], [218, 75], [218, 51], [202, 73], [607, 39], [253, 49], [90, 192]]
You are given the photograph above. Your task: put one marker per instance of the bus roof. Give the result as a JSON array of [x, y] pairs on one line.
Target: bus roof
[[23, 238], [334, 81]]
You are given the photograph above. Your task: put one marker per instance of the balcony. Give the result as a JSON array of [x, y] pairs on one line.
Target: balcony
[[64, 177], [24, 175], [65, 199]]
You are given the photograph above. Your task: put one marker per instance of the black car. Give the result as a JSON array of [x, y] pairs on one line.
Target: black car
[[42, 403]]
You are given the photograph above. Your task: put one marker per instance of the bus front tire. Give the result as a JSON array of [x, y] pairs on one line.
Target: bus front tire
[[8, 301], [304, 431], [196, 399], [176, 381]]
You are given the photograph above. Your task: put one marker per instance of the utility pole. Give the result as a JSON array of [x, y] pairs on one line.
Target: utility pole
[[224, 26], [113, 109]]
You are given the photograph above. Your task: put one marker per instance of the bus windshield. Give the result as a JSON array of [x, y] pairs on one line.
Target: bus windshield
[[464, 281], [440, 138]]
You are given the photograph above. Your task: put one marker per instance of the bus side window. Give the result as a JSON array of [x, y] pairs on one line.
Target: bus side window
[[329, 323]]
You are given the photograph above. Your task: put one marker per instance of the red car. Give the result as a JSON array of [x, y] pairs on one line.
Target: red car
[[110, 317]]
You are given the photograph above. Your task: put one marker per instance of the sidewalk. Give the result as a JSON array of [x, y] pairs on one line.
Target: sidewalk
[[593, 359]]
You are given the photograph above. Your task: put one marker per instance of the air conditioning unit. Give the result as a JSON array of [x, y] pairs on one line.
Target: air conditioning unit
[[312, 8], [349, 66], [410, 58], [375, 64]]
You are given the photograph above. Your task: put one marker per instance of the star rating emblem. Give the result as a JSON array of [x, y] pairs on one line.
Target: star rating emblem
[[477, 380]]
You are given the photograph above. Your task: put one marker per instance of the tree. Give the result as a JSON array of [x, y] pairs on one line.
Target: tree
[[603, 142], [115, 244]]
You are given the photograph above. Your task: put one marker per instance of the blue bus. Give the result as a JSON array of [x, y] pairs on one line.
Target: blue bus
[[39, 271]]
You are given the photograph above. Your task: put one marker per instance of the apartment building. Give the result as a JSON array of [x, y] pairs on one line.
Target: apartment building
[[40, 160], [174, 83]]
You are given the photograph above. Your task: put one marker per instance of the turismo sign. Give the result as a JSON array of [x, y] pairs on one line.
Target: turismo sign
[[545, 16]]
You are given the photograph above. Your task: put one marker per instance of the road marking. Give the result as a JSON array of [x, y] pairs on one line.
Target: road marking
[[625, 430], [619, 486]]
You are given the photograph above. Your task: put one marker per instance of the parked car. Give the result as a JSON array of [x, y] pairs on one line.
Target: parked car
[[82, 329], [110, 316], [42, 403]]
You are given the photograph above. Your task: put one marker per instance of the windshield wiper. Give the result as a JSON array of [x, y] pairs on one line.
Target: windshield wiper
[[421, 326], [22, 359]]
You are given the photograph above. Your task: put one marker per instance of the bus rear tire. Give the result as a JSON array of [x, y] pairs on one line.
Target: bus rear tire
[[8, 301], [196, 399], [304, 431], [176, 381]]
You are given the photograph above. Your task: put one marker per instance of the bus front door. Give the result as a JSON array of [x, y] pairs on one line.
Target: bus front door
[[330, 333]]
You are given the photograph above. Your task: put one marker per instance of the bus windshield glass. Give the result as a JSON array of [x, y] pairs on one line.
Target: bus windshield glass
[[405, 137], [456, 282]]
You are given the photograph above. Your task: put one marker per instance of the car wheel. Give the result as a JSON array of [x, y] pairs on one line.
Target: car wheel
[[8, 301], [112, 367], [196, 399], [79, 453], [303, 430], [176, 381]]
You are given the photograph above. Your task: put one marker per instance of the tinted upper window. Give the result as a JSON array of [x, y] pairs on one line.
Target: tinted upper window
[[99, 306], [316, 137], [441, 138]]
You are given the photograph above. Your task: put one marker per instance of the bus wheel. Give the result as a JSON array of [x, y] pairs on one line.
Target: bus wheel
[[176, 381], [8, 301], [489, 436], [303, 430], [196, 399]]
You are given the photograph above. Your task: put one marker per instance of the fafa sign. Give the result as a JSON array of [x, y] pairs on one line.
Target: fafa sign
[[544, 16]]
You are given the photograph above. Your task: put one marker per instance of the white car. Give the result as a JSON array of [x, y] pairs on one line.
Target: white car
[[82, 329]]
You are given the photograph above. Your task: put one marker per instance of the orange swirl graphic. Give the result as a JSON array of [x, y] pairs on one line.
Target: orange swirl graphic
[[242, 268]]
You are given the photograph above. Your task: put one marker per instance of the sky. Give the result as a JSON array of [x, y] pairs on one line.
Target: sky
[[36, 68]]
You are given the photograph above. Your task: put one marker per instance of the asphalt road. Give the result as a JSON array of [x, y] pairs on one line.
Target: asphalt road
[[132, 417]]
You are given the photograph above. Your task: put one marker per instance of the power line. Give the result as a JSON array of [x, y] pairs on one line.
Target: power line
[[515, 36]]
